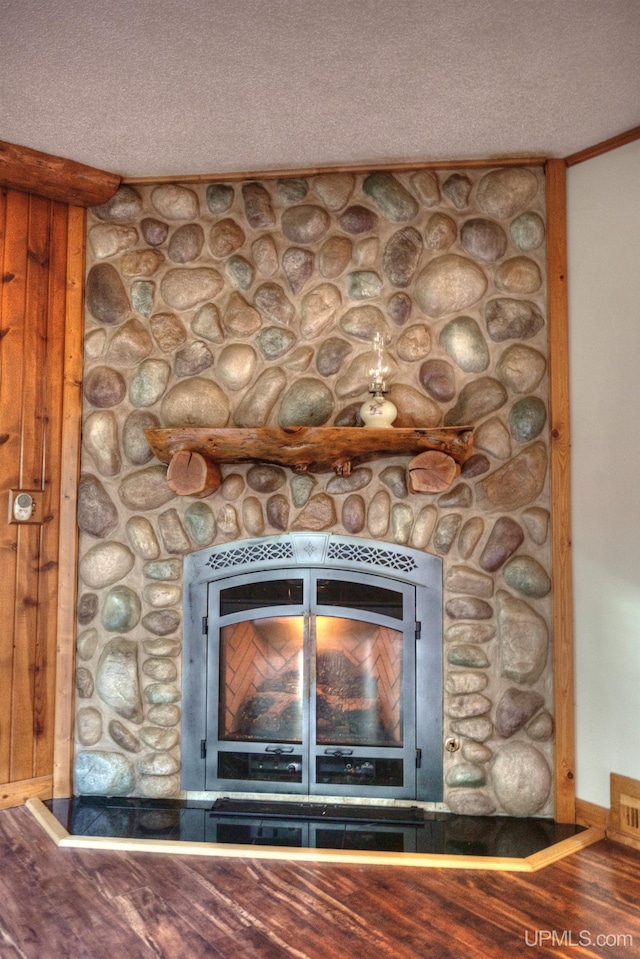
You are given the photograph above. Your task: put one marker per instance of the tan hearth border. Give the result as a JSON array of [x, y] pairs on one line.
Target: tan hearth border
[[533, 863]]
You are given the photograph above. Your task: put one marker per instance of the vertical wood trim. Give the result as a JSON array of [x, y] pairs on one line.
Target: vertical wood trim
[[70, 469], [562, 616]]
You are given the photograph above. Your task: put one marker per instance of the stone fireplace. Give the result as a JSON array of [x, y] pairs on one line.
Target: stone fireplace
[[254, 303]]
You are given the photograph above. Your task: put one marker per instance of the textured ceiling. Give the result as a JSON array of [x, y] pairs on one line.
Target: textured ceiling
[[177, 87]]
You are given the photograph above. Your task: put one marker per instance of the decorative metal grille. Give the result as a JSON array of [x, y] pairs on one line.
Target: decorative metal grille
[[253, 553], [372, 555]]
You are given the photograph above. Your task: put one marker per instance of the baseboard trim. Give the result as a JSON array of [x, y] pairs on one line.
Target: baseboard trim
[[589, 814], [17, 794]]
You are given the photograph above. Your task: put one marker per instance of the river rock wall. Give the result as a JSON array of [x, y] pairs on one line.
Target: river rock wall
[[254, 304]]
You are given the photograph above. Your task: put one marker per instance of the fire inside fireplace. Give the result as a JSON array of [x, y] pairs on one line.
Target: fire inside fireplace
[[313, 666]]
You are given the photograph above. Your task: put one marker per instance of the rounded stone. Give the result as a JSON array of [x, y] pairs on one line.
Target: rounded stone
[[354, 514], [318, 514], [528, 232], [200, 524], [520, 274], [517, 483], [466, 655], [414, 409], [236, 366], [523, 639], [540, 728], [95, 343], [175, 202], [305, 223], [466, 774], [462, 339], [257, 206], [273, 342], [527, 576], [185, 287], [297, 264], [86, 644], [331, 355], [105, 294], [393, 477], [448, 284], [363, 322], [390, 196], [142, 296], [104, 387], [468, 705], [219, 197], [172, 533], [358, 219], [272, 302], [105, 564], [470, 633], [258, 402], [240, 319], [186, 243], [536, 519], [521, 368], [477, 728], [161, 595], [161, 622], [195, 402], [470, 802], [512, 319], [475, 466], [163, 647], [334, 189], [477, 399], [483, 240], [102, 773], [301, 488], [206, 323], [505, 538], [155, 232], [120, 610], [401, 256], [108, 239], [426, 186], [464, 579], [162, 669], [145, 489], [292, 189], [161, 764], [87, 608], [308, 402], [97, 514], [158, 738], [264, 478], [88, 726], [468, 607], [142, 538], [123, 737], [399, 308], [470, 535], [505, 192], [252, 516], [84, 683], [117, 678], [265, 255], [476, 752], [165, 715], [438, 379], [414, 343], [225, 238], [141, 262], [130, 344], [363, 285], [159, 787], [458, 496], [334, 256], [277, 511], [515, 708], [493, 437], [169, 569], [168, 331], [527, 418], [401, 522], [125, 206], [521, 779], [194, 358], [457, 189], [379, 514], [440, 232], [366, 252], [149, 382], [134, 442]]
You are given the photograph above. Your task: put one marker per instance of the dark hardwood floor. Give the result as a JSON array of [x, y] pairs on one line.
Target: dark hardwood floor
[[65, 904]]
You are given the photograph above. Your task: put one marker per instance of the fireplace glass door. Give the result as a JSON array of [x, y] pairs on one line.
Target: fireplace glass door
[[311, 685]]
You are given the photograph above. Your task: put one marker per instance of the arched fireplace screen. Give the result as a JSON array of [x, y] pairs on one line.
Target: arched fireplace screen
[[313, 665]]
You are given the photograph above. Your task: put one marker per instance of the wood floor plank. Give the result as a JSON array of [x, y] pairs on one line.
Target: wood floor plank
[[74, 904]]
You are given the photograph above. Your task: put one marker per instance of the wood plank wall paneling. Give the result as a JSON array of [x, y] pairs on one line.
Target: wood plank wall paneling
[[33, 260]]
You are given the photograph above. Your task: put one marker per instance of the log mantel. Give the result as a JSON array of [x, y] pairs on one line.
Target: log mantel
[[309, 449]]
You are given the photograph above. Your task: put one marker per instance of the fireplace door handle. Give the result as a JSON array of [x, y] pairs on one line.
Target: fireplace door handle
[[338, 752], [278, 750]]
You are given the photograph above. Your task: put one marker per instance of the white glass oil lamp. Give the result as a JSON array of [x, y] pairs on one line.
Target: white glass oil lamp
[[378, 411]]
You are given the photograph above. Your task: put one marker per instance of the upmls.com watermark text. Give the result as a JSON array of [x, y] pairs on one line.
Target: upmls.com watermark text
[[568, 937]]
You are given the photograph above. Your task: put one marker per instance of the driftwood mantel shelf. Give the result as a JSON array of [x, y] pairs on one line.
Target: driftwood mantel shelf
[[193, 454]]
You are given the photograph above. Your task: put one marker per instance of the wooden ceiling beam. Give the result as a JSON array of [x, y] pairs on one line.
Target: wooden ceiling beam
[[54, 178]]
